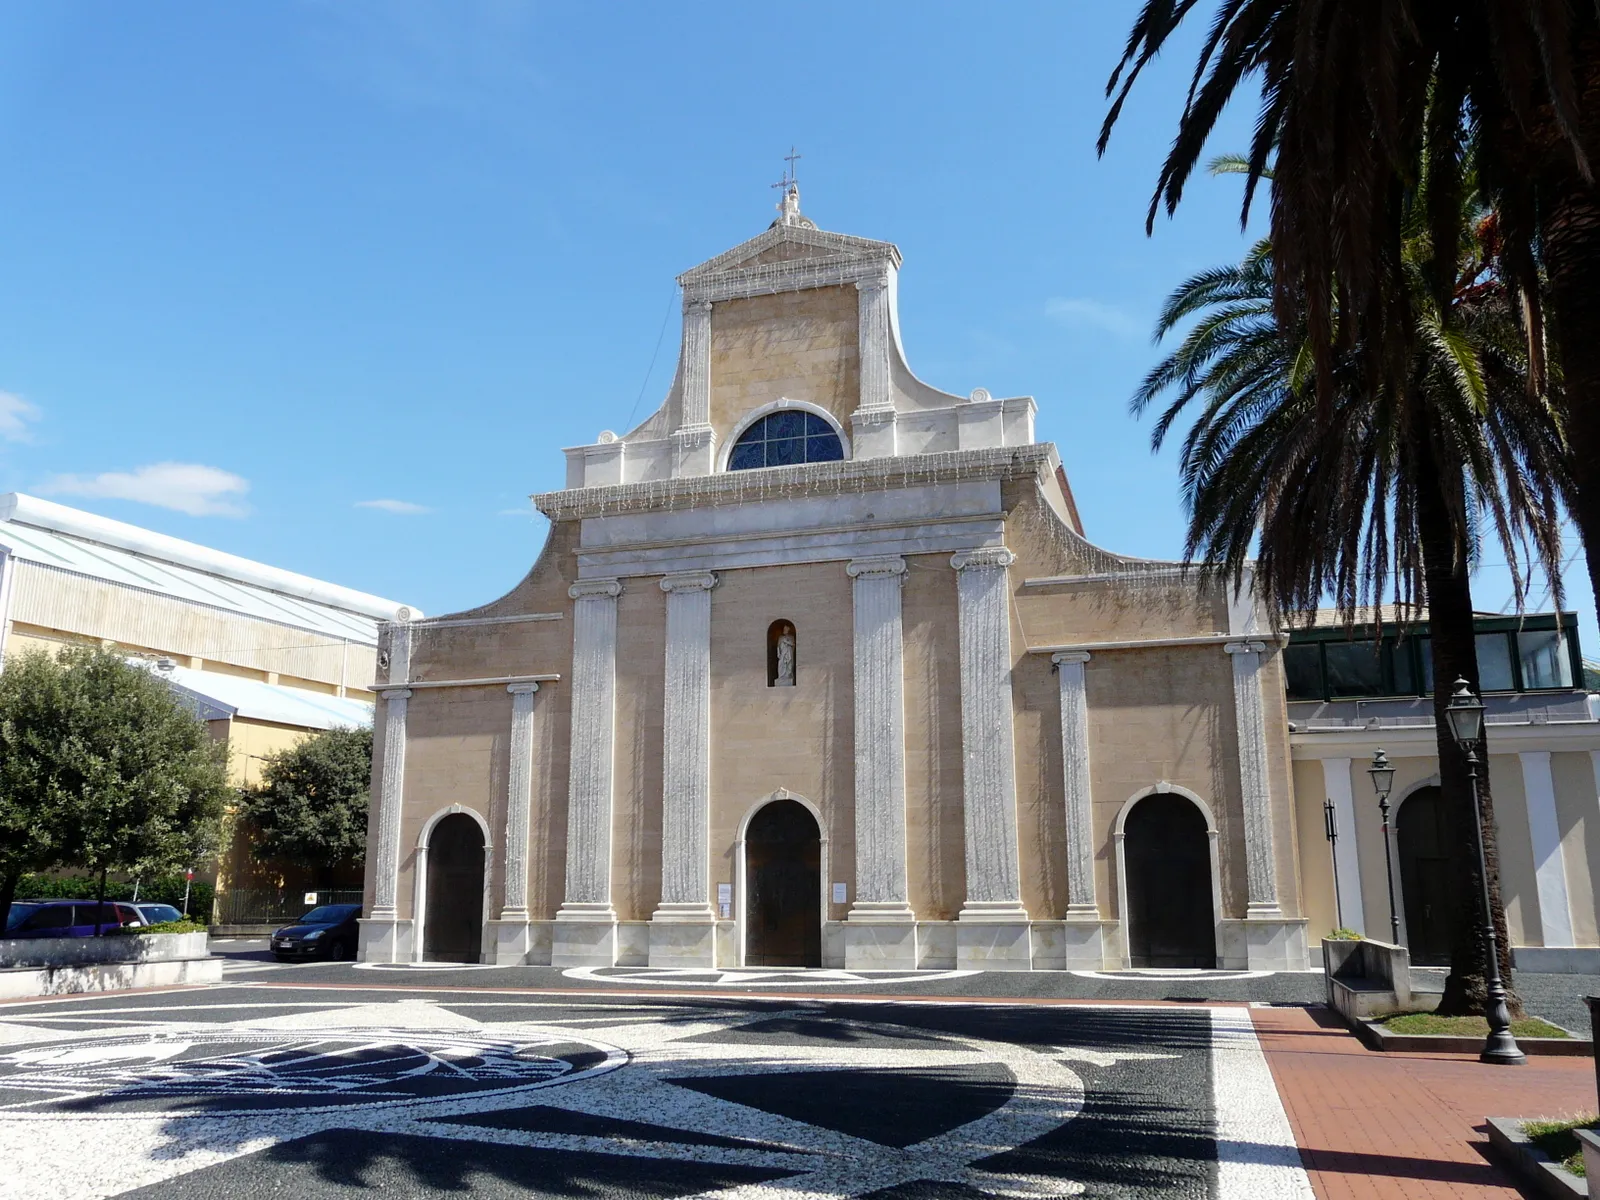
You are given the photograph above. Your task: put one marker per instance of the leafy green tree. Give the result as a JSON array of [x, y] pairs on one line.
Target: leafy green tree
[[34, 823], [311, 804], [1358, 104], [1369, 490], [122, 775]]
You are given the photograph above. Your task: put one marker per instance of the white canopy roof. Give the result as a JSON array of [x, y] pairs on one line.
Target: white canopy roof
[[219, 696]]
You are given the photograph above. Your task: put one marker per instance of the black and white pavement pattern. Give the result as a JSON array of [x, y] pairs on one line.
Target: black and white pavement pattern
[[245, 1090]]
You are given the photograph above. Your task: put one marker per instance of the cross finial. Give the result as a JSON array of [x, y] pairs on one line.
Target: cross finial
[[789, 203], [789, 179]]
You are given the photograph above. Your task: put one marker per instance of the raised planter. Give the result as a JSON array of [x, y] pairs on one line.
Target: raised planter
[[1531, 1165], [60, 966], [1376, 1037]]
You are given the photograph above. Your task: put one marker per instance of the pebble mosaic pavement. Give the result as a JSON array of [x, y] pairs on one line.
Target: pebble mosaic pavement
[[251, 1088]]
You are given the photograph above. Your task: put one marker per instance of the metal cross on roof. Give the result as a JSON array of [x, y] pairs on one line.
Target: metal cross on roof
[[789, 179]]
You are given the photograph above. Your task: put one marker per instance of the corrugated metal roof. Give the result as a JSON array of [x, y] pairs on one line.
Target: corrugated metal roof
[[128, 569], [258, 701]]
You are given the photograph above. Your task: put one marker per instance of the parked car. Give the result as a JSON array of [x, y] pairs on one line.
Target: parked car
[[67, 918], [155, 914], [327, 931]]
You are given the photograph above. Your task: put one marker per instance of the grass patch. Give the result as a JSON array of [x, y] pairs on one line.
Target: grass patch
[[160, 927], [1424, 1022], [1557, 1140]]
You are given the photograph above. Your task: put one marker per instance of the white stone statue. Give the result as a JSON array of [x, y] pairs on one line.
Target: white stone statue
[[785, 659]]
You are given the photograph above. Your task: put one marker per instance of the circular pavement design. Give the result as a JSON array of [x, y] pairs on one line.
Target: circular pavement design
[[742, 1106], [743, 977]]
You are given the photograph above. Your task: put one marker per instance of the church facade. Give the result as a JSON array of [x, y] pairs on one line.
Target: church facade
[[817, 667]]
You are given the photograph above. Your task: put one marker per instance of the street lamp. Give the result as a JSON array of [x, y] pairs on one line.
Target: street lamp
[[1465, 714], [1382, 783]]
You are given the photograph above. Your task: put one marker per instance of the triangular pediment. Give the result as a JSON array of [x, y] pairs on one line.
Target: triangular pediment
[[798, 244]]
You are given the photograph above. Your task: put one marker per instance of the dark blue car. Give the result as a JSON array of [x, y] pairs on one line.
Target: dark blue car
[[67, 918], [327, 931]]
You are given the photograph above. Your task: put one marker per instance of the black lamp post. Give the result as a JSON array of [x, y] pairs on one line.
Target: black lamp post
[[1383, 783], [1465, 714]]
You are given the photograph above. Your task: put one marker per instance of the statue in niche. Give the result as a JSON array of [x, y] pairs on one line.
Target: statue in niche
[[781, 655]]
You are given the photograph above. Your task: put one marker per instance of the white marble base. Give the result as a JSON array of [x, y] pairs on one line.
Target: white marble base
[[511, 941], [880, 945], [1264, 945], [727, 943], [991, 945], [584, 936], [833, 944], [678, 943], [1073, 945], [936, 945], [384, 940], [633, 943], [1557, 960]]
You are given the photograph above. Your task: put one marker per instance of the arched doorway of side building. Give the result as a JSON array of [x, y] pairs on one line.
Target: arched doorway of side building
[[453, 929], [783, 878], [1422, 844], [1167, 860]]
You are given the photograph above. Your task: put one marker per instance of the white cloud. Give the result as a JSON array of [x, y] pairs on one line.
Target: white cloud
[[403, 508], [191, 488], [1092, 314], [15, 413]]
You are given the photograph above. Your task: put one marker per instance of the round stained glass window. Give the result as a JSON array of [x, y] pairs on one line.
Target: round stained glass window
[[785, 439]]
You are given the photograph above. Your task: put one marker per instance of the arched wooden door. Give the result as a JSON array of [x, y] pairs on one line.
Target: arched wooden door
[[1422, 840], [783, 872], [1167, 857], [453, 930]]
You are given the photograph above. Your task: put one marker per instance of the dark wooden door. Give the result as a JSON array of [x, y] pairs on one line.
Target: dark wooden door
[[1168, 858], [453, 931], [1423, 847], [783, 870]]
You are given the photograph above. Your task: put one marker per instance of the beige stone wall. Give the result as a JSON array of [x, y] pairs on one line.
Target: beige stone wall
[[1578, 817], [1316, 857], [800, 738], [636, 815], [935, 839], [799, 345], [1518, 891]]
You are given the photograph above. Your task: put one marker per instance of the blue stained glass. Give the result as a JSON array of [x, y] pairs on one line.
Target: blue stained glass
[[746, 455], [824, 448], [785, 425], [817, 427], [786, 452]]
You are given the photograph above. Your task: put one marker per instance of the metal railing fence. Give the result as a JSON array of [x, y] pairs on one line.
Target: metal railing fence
[[273, 906]]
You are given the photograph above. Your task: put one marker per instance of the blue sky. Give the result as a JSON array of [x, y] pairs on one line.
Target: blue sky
[[329, 283]]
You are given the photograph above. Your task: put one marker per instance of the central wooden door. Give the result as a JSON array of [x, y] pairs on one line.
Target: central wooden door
[[1423, 847], [453, 931], [1168, 860], [783, 871]]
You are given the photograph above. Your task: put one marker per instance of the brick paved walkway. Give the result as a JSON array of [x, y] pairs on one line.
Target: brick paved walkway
[[1409, 1126]]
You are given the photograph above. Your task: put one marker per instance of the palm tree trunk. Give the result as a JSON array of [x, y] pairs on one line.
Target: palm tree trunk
[[1571, 242], [1455, 655]]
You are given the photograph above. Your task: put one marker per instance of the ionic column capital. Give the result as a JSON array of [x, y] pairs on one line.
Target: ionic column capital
[[1245, 648], [522, 689], [586, 589], [877, 565], [395, 693], [689, 581], [1070, 656], [982, 557]]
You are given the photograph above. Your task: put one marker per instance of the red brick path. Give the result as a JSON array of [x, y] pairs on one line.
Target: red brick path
[[1410, 1126]]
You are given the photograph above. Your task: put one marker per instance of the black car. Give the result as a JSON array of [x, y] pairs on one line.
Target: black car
[[327, 931]]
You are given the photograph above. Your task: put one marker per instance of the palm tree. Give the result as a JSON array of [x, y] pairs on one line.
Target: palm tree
[[1367, 491], [1357, 101]]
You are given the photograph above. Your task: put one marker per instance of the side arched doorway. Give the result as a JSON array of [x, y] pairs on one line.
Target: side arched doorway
[[1167, 856], [783, 872], [1422, 844], [453, 930]]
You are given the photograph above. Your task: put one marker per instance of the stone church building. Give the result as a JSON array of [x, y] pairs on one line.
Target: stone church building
[[818, 668]]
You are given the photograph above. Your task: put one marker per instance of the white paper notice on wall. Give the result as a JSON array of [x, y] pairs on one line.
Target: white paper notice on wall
[[725, 899], [311, 898], [839, 894]]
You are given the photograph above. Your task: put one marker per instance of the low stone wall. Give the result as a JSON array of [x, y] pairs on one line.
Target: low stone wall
[[110, 948], [64, 966]]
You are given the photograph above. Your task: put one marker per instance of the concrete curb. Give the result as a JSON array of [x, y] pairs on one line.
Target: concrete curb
[[1375, 1037], [20, 983], [1531, 1165]]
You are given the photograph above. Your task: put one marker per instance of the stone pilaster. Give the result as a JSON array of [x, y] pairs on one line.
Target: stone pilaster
[[1346, 851], [683, 927], [586, 924], [1544, 835], [873, 425], [693, 436], [1261, 871], [384, 935], [880, 929], [992, 932], [1075, 783], [512, 936]]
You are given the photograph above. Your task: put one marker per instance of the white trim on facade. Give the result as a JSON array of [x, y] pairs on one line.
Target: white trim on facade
[[1544, 834], [419, 899], [1118, 834]]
